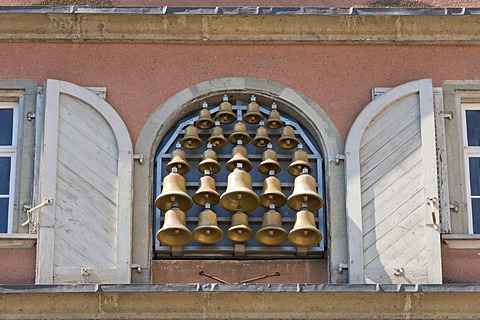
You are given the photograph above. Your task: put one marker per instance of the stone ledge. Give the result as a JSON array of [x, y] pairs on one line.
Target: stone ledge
[[462, 241], [17, 240]]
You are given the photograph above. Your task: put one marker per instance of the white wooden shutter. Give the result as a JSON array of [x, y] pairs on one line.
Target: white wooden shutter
[[391, 173], [86, 167]]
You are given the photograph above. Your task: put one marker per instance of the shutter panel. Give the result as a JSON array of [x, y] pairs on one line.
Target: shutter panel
[[85, 236], [390, 175]]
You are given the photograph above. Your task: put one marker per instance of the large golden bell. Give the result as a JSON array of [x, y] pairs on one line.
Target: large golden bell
[[273, 120], [239, 133], [174, 232], [173, 191], [287, 140], [261, 138], [269, 162], [253, 114], [191, 140], [304, 232], [239, 231], [204, 120], [271, 233], [272, 193], [216, 138], [178, 160], [239, 155], [239, 192], [207, 230], [225, 114], [304, 191], [299, 162], [206, 192], [209, 162]]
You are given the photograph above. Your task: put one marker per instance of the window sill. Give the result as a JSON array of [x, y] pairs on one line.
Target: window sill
[[17, 240], [462, 241]]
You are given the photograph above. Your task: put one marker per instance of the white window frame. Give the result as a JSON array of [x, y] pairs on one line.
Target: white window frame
[[11, 151], [469, 152]]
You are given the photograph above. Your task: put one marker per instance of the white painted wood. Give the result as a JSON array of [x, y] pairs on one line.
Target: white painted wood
[[390, 172], [91, 177]]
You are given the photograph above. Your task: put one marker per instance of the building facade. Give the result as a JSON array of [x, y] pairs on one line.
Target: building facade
[[97, 211]]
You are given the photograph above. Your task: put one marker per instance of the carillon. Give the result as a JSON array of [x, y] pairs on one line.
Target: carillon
[[241, 197]]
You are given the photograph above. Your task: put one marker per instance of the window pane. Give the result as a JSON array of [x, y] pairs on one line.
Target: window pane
[[5, 175], [3, 214], [6, 127], [476, 215]]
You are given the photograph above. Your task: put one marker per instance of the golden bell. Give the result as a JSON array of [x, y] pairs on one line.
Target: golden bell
[[239, 231], [287, 140], [253, 114], [271, 233], [204, 120], [299, 162], [239, 155], [272, 193], [261, 138], [304, 232], [173, 191], [216, 138], [207, 230], [239, 133], [225, 114], [174, 232], [304, 191], [239, 192], [191, 140], [178, 161], [209, 162], [206, 192], [273, 120], [269, 162]]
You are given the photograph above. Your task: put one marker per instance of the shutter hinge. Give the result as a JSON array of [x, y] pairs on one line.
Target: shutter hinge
[[342, 266], [31, 116], [448, 115], [139, 157], [338, 158], [136, 266], [431, 201]]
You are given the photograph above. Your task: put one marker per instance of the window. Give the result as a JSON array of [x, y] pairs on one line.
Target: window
[[8, 151], [17, 140], [458, 142], [225, 247], [471, 135]]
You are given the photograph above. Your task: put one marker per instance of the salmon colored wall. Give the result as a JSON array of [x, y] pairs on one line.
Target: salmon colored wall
[[460, 265], [17, 266], [139, 77]]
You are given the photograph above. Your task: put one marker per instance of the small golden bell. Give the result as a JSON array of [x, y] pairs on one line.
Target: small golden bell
[[173, 192], [271, 233], [204, 120], [174, 232], [239, 231], [253, 114], [225, 114], [272, 193], [178, 160], [206, 192], [274, 121], [239, 192], [216, 138], [299, 162], [304, 232], [239, 155], [191, 139], [304, 192], [239, 133], [261, 138], [209, 162], [287, 140], [207, 230], [269, 162]]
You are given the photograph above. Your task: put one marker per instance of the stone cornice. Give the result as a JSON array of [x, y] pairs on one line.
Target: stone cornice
[[212, 301], [241, 25]]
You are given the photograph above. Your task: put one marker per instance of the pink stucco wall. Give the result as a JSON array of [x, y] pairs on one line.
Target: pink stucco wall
[[17, 266], [460, 265], [139, 77]]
